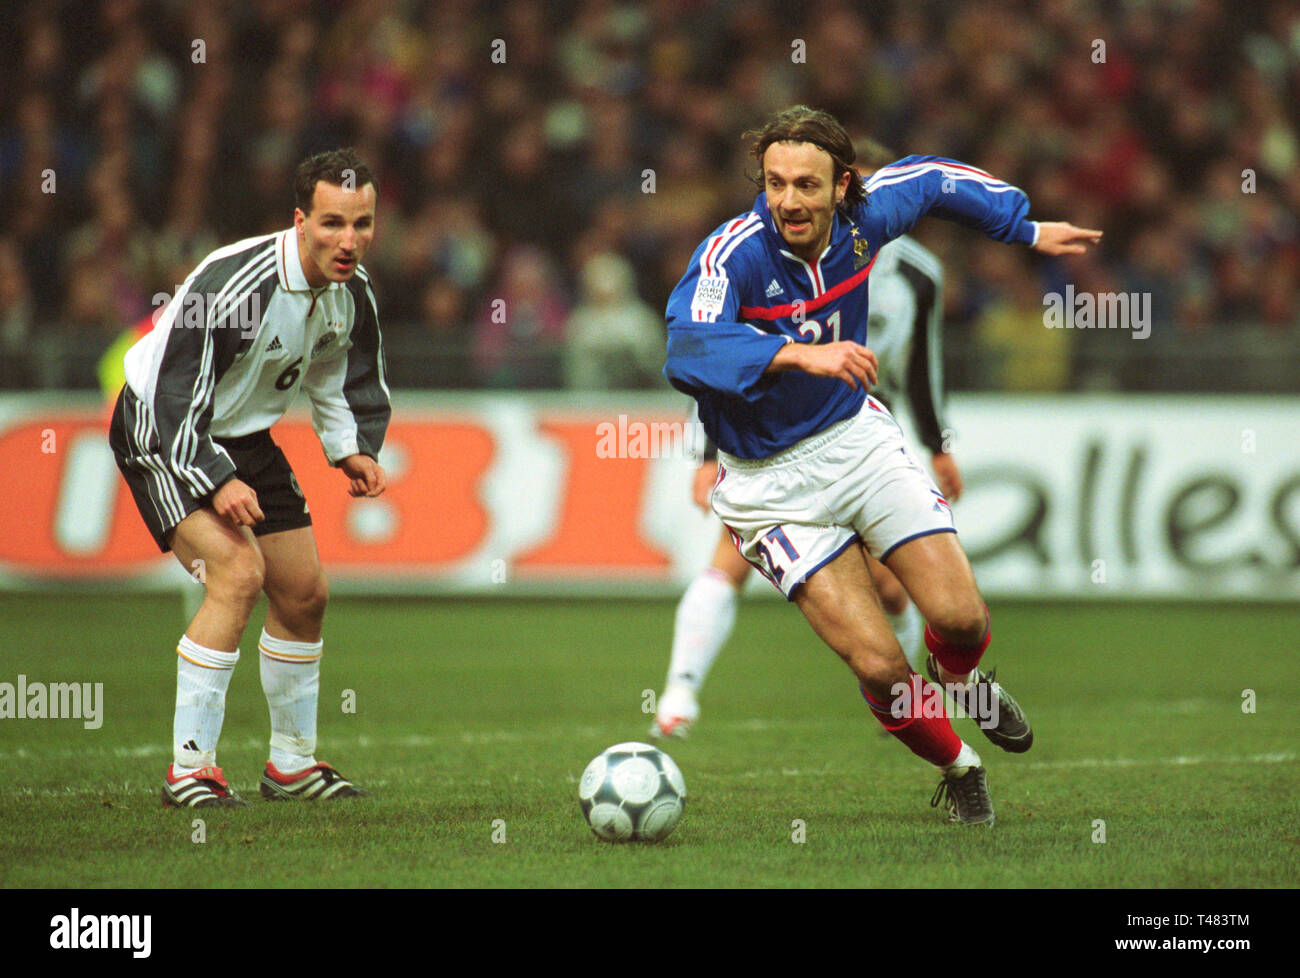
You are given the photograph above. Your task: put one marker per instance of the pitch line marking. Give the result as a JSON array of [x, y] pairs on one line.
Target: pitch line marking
[[365, 742]]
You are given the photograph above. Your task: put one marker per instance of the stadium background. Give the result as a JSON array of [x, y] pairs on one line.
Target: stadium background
[[546, 170], [506, 176], [490, 680]]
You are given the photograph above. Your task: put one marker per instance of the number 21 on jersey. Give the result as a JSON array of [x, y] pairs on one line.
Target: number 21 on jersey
[[814, 330]]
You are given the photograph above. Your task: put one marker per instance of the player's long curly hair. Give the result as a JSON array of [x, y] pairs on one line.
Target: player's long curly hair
[[801, 124]]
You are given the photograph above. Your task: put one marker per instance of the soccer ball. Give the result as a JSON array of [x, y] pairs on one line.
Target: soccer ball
[[632, 792]]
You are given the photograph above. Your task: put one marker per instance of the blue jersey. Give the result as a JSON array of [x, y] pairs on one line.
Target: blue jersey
[[746, 295]]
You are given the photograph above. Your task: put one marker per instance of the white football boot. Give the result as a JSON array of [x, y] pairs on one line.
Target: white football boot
[[678, 711]]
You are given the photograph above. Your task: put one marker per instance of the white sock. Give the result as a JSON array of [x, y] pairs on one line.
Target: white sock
[[909, 627], [291, 682], [705, 617], [966, 758], [202, 677]]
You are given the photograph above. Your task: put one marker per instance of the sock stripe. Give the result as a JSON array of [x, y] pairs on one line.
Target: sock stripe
[[287, 650], [884, 712], [195, 662], [206, 658], [875, 707], [287, 656]]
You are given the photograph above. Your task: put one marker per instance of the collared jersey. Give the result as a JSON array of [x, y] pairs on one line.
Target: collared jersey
[[745, 295], [243, 335]]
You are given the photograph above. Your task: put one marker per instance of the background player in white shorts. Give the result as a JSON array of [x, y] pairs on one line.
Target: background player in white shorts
[[781, 388], [253, 324], [904, 331]]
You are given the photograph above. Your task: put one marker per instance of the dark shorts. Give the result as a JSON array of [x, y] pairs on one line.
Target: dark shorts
[[163, 500]]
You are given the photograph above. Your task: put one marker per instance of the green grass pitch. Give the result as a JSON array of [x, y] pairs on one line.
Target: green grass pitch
[[474, 718]]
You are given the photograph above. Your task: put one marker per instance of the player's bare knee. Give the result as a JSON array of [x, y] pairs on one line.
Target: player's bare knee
[[247, 578], [879, 667], [961, 624], [883, 676], [236, 573], [302, 606], [314, 602], [892, 596]]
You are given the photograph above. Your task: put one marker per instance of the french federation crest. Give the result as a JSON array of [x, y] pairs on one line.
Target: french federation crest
[[861, 251]]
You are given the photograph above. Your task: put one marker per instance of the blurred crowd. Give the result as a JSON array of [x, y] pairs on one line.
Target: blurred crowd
[[547, 168]]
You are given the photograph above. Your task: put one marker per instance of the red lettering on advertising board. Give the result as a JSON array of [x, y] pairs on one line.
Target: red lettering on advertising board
[[600, 511], [430, 516], [431, 513], [35, 460]]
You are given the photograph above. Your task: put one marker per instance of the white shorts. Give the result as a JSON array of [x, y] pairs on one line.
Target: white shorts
[[791, 513]]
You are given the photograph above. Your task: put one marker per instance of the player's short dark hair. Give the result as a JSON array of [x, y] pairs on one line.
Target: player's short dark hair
[[801, 124], [337, 167]]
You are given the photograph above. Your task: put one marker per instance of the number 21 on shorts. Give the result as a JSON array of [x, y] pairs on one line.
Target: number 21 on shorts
[[785, 554]]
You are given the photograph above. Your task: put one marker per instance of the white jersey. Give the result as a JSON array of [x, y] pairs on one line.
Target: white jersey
[[903, 330], [232, 349]]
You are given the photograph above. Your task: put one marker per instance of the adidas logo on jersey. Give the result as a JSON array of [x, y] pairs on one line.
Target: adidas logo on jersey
[[774, 289], [274, 345]]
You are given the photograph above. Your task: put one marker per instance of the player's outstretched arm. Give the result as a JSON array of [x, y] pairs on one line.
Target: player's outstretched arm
[[850, 362], [366, 474], [1063, 238], [904, 192]]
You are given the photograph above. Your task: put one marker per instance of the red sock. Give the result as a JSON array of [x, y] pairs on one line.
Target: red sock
[[925, 729], [958, 659]]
